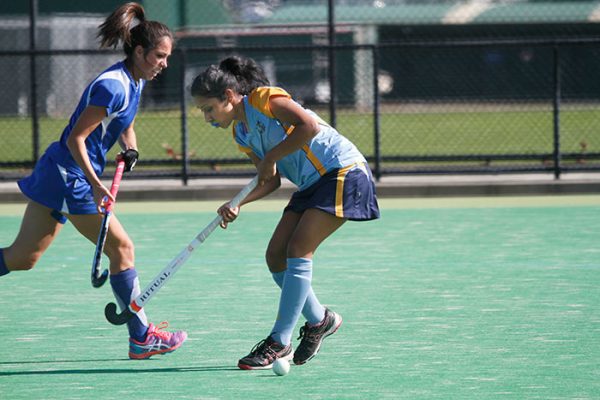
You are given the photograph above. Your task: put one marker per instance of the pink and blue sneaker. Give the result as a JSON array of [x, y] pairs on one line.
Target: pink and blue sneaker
[[158, 341]]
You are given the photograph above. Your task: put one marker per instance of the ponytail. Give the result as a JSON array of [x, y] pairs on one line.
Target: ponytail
[[246, 71], [128, 24], [242, 75]]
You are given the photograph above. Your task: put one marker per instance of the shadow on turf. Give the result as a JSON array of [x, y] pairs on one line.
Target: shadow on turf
[[61, 361], [108, 370]]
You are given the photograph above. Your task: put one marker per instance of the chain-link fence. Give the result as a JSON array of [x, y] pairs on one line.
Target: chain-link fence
[[419, 86]]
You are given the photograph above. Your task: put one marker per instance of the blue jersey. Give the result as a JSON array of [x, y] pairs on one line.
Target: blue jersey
[[115, 90], [325, 152], [57, 181]]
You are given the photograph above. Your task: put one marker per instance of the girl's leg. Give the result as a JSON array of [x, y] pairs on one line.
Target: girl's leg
[[290, 252], [313, 227], [118, 246], [123, 276], [276, 257], [39, 227], [146, 339]]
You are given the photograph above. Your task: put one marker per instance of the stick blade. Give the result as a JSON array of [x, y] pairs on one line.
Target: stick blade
[[99, 281], [110, 312]]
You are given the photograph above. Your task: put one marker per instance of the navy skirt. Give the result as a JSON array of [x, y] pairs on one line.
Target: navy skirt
[[347, 192], [58, 188]]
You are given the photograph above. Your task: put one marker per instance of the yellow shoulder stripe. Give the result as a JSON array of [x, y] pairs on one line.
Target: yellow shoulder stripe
[[259, 98]]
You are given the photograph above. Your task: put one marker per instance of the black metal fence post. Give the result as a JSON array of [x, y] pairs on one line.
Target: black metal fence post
[[185, 162], [331, 53], [33, 12], [556, 114], [376, 119]]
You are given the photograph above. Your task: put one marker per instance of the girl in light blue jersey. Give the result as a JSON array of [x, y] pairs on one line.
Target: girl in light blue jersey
[[335, 185], [65, 184]]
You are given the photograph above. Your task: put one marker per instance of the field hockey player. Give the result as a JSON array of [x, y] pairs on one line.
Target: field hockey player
[[65, 183], [335, 185]]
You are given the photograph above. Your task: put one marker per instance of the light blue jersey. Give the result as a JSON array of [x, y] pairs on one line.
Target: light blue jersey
[[57, 180], [328, 150]]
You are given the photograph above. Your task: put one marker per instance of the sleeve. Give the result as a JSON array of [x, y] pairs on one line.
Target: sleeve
[[259, 98], [108, 93]]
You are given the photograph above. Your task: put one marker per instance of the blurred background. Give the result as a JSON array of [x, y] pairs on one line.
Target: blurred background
[[421, 87]]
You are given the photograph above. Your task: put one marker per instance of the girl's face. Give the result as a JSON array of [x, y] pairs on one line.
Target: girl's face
[[217, 112], [148, 66]]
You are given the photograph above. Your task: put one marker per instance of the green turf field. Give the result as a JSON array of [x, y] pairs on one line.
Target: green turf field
[[479, 298]]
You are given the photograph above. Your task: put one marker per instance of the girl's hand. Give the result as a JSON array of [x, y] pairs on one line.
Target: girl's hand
[[267, 170], [101, 196], [228, 213]]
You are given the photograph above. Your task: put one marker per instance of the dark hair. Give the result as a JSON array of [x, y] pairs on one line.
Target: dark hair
[[242, 75], [121, 26]]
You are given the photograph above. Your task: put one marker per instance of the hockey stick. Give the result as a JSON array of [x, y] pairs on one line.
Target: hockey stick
[[98, 277], [110, 311]]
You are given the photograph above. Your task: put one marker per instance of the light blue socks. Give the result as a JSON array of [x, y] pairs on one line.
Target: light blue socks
[[297, 297], [313, 311]]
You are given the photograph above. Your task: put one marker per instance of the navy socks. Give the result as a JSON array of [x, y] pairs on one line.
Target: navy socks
[[126, 287]]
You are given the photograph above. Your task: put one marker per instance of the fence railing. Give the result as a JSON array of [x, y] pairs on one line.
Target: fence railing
[[455, 106]]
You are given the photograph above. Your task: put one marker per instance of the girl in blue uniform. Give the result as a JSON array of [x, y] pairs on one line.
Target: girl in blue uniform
[[335, 185], [65, 184]]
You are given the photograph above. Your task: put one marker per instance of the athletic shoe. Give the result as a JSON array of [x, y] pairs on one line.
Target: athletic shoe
[[157, 341], [312, 336], [264, 353]]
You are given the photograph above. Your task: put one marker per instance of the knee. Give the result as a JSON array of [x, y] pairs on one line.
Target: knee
[[25, 263], [126, 249], [275, 261], [123, 250], [297, 250]]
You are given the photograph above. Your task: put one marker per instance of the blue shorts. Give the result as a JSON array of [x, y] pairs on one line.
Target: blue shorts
[[58, 188], [347, 192]]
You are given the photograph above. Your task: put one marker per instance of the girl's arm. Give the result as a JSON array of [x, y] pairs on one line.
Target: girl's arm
[[262, 191], [305, 128], [128, 143], [89, 119], [229, 214], [128, 140]]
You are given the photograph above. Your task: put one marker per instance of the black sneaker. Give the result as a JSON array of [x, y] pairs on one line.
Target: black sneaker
[[264, 354], [312, 336]]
